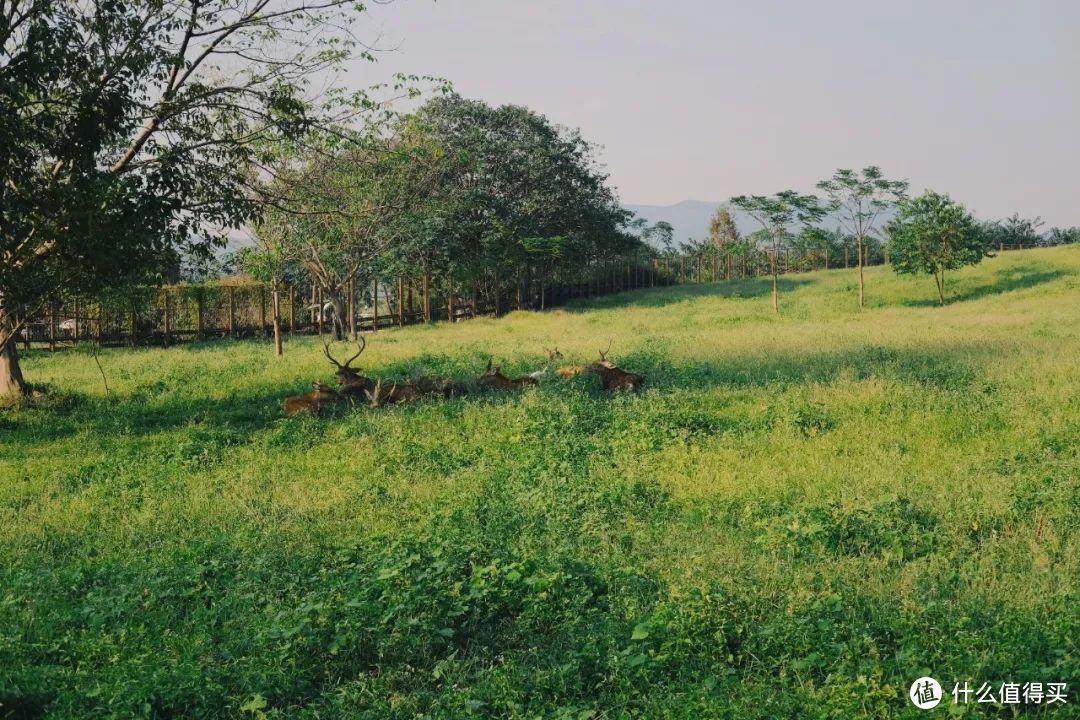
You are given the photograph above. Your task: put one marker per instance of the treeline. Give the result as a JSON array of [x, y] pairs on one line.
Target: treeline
[[469, 199]]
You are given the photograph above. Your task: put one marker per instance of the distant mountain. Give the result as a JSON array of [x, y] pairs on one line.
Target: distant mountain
[[690, 218]]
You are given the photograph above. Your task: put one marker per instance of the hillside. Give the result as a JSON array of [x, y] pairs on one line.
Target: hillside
[[899, 486]]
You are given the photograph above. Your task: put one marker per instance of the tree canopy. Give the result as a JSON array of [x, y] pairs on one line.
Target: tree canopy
[[933, 234], [133, 131]]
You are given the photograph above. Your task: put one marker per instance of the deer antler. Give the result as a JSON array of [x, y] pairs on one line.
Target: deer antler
[[326, 351], [362, 345], [375, 397], [603, 353]]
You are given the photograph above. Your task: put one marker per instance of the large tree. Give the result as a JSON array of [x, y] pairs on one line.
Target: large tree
[[776, 214], [933, 234], [859, 201], [522, 194], [131, 130]]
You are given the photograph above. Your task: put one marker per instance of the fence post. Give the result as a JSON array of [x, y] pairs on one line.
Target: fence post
[[292, 309], [134, 322], [201, 330], [101, 320], [375, 305], [450, 300], [76, 319], [232, 312], [168, 320], [401, 301], [52, 326], [262, 308], [350, 311], [319, 308]]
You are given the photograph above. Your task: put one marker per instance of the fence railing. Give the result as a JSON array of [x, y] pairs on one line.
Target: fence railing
[[237, 308]]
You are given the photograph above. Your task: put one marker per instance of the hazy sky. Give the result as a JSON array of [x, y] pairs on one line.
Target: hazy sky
[[693, 99]]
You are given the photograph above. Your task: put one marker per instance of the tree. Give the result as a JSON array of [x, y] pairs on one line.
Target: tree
[[133, 130], [775, 214], [1013, 231], [932, 234], [724, 235], [519, 194], [859, 200]]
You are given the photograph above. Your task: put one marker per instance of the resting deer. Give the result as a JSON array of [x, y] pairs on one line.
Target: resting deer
[[354, 386], [321, 394], [612, 377], [437, 385], [566, 371], [493, 377], [395, 395]]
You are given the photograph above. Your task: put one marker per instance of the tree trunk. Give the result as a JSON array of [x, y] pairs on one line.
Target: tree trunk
[[12, 384], [401, 301], [275, 298], [774, 261], [426, 292], [338, 321], [861, 281]]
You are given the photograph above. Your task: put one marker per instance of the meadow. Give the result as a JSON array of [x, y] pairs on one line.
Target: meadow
[[796, 518]]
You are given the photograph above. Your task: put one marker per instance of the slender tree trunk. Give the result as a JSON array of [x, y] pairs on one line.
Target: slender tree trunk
[[426, 297], [939, 279], [773, 262], [861, 281], [401, 301], [275, 297]]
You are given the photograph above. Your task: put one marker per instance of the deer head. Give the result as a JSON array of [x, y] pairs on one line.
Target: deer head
[[321, 394], [347, 375], [553, 353], [612, 377], [493, 377]]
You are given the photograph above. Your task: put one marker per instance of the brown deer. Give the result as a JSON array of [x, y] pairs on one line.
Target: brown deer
[[566, 371], [494, 378], [354, 386], [312, 403], [395, 395], [612, 377], [438, 385]]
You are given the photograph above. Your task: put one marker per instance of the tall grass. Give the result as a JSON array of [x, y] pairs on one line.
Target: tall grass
[[796, 518]]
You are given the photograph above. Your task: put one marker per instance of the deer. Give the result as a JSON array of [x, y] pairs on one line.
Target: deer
[[395, 395], [438, 385], [311, 403], [566, 371], [354, 386], [613, 377], [494, 378]]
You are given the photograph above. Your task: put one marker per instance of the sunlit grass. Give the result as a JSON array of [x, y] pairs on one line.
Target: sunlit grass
[[787, 503]]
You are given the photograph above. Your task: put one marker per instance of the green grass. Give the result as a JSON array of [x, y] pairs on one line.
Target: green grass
[[796, 518]]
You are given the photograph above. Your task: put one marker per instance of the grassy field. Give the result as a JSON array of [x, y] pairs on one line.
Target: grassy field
[[797, 517]]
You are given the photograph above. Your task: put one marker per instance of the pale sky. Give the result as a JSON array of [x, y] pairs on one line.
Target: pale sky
[[693, 99]]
